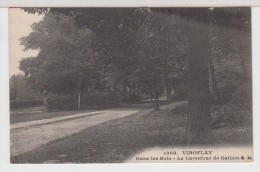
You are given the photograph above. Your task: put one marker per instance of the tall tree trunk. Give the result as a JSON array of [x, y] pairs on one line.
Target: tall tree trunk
[[198, 120], [156, 103], [88, 89], [175, 90], [138, 89], [114, 90], [109, 88], [242, 39], [243, 65], [246, 85], [79, 91], [156, 97], [79, 99], [134, 89], [168, 87], [124, 85], [151, 96], [211, 63], [213, 78], [168, 93], [130, 91]]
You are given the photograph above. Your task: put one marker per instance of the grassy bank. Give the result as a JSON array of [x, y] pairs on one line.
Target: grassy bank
[[37, 113]]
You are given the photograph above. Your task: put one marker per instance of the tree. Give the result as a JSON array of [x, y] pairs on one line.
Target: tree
[[65, 61], [114, 30], [231, 52], [161, 54], [19, 89], [198, 121]]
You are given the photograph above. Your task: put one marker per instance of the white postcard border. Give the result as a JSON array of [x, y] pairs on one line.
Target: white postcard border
[[4, 122]]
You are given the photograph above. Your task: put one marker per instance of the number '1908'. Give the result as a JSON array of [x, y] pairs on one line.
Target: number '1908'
[[170, 153]]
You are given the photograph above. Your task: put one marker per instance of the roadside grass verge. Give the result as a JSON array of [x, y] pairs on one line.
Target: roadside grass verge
[[31, 114]]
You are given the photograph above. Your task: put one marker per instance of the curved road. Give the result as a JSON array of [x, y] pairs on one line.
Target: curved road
[[26, 136]]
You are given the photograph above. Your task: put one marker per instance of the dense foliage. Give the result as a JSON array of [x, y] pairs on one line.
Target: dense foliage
[[134, 51], [21, 95]]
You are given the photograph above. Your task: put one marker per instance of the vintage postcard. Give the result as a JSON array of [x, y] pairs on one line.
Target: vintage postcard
[[130, 85]]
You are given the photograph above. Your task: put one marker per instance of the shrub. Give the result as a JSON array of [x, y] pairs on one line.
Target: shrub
[[231, 115], [61, 102], [133, 99], [88, 101], [17, 104]]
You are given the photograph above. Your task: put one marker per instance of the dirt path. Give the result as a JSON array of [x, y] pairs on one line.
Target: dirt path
[[27, 136]]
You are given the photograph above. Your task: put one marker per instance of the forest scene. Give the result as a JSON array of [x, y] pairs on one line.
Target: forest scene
[[110, 82]]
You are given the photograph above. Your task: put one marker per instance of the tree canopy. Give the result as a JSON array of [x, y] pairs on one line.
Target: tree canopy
[[65, 54]]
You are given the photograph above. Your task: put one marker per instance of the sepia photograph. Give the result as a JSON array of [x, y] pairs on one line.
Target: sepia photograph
[[130, 85]]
